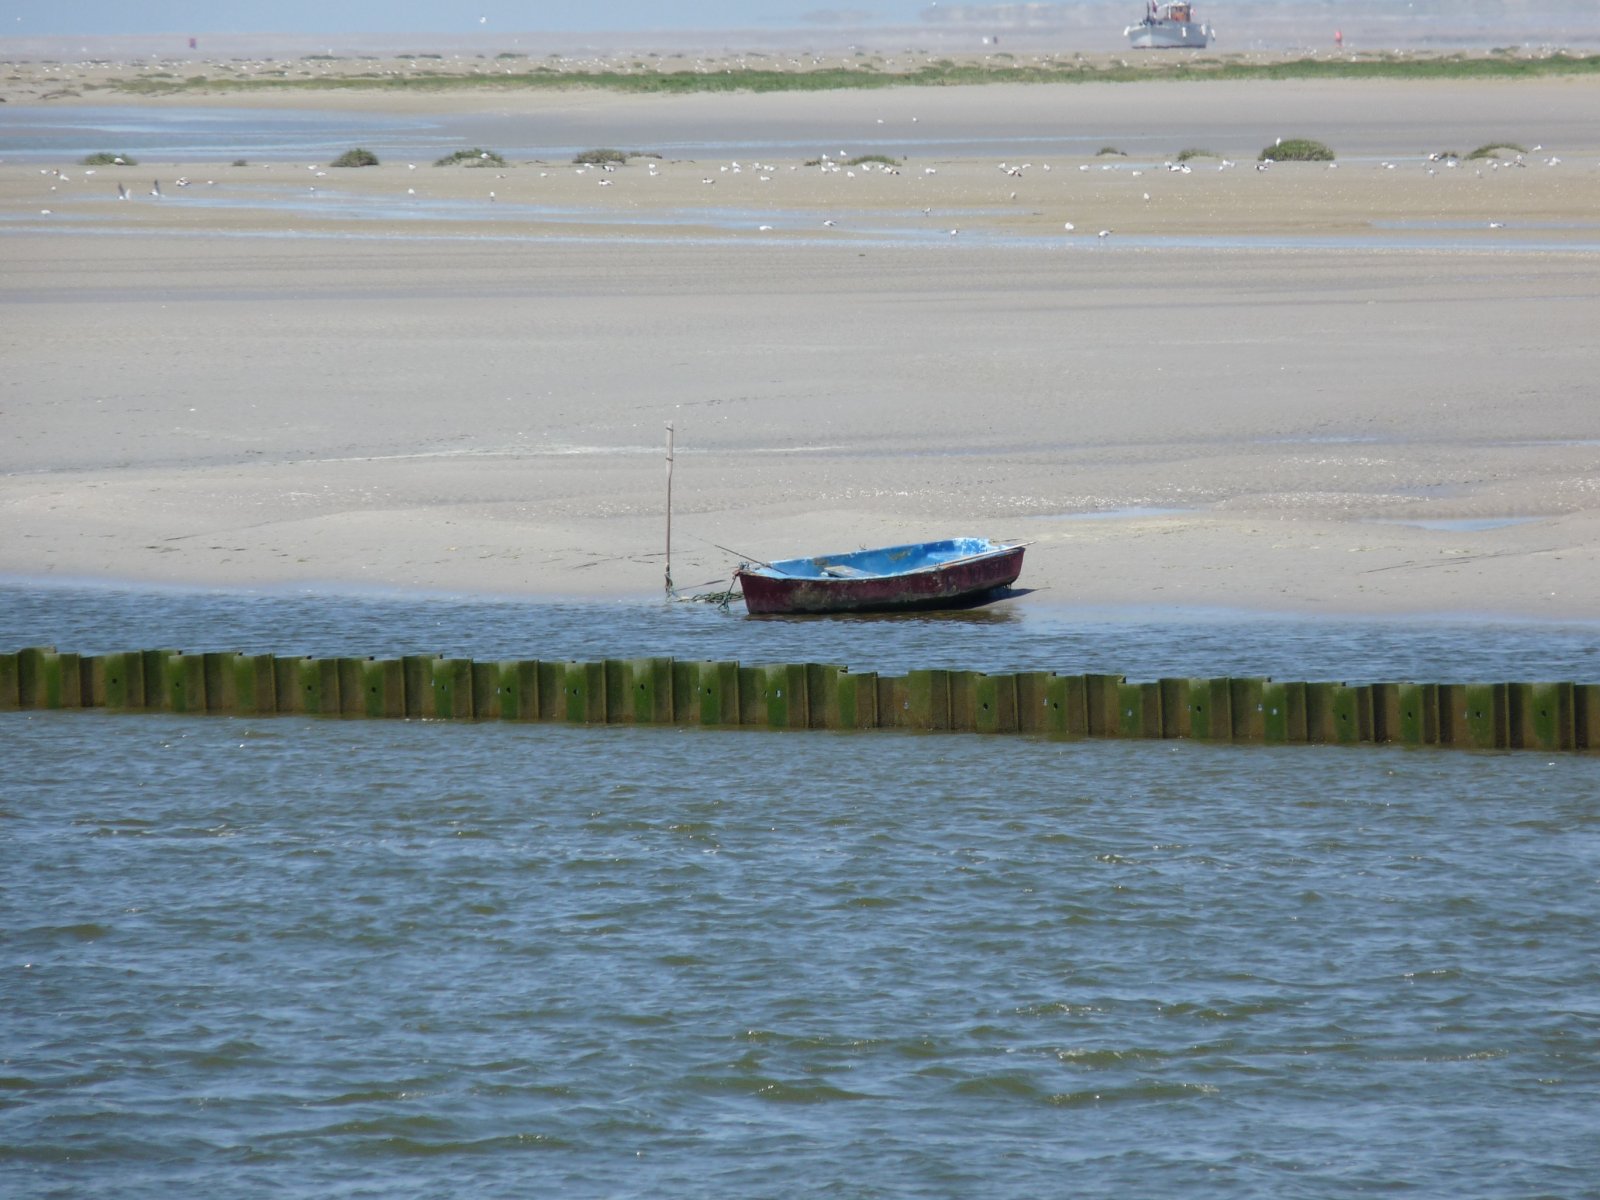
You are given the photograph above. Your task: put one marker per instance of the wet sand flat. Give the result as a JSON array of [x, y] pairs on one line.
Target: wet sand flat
[[1358, 389]]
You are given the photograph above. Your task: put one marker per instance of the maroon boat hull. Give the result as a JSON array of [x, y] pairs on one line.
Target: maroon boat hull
[[952, 585]]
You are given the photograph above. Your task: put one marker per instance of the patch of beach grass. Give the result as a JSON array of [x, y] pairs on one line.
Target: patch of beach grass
[[104, 158], [944, 72], [1297, 150], [477, 156], [1189, 152], [859, 160], [356, 157], [1492, 150]]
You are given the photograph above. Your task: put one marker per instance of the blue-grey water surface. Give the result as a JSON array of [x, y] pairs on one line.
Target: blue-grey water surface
[[194, 133], [1142, 644], [311, 958], [181, 130], [188, 132]]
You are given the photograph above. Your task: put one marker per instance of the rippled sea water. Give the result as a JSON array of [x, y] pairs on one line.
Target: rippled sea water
[[1142, 644], [313, 958]]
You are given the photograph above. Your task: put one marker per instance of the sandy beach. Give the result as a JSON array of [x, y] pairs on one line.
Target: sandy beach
[[1365, 388]]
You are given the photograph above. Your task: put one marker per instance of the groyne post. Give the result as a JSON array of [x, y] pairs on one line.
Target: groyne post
[[1586, 716], [1176, 716], [184, 683], [352, 685], [217, 671], [1133, 717], [1102, 694], [1247, 709], [995, 700], [928, 692], [418, 689], [619, 691], [154, 671], [1068, 714], [10, 691], [383, 687], [822, 695], [519, 690], [124, 685], [858, 700], [717, 689], [1210, 711], [894, 702], [1541, 716], [30, 674], [1487, 716]]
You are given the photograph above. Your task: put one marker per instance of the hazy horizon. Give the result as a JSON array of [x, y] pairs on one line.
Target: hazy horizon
[[99, 28], [34, 18], [487, 18]]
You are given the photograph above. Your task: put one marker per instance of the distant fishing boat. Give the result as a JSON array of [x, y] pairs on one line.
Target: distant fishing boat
[[956, 573], [1169, 26]]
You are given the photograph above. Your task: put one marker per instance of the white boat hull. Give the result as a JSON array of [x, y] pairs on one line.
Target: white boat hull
[[1169, 35]]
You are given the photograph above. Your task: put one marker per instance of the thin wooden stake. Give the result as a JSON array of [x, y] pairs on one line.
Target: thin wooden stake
[[670, 590]]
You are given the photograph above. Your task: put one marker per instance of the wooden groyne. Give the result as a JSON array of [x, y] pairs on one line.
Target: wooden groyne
[[666, 691]]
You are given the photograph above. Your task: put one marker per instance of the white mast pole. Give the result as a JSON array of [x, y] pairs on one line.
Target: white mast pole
[[669, 510]]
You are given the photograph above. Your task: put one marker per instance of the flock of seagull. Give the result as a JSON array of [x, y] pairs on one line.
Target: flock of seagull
[[123, 193], [844, 167]]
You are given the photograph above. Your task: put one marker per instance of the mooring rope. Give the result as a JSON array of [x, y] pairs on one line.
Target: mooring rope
[[721, 599]]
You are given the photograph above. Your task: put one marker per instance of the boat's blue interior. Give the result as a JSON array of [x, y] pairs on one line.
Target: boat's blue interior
[[885, 560]]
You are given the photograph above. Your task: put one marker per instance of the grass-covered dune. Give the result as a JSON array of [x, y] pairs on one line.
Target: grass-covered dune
[[945, 73]]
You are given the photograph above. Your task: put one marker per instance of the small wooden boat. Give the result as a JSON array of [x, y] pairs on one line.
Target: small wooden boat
[[956, 573]]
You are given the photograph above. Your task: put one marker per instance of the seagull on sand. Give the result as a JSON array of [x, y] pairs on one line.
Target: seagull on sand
[[155, 188], [122, 192]]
